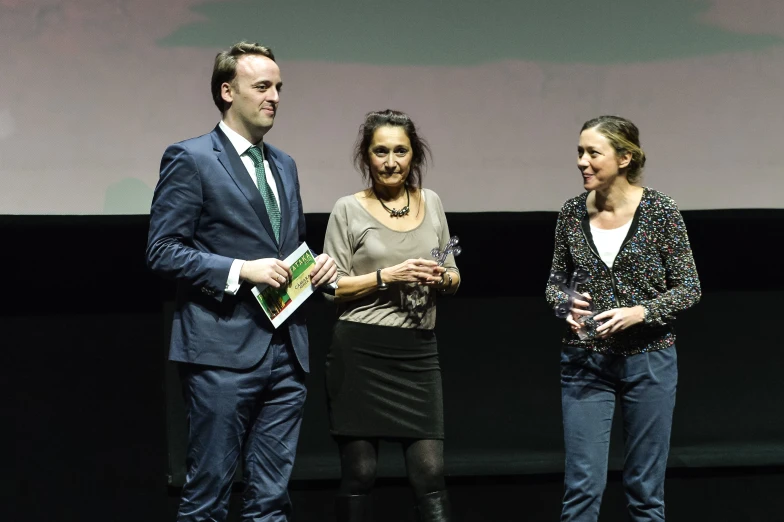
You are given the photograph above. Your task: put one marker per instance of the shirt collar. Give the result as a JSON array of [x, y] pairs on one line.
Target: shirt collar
[[238, 141]]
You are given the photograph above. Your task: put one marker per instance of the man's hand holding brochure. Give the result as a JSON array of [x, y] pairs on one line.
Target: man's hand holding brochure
[[279, 303]]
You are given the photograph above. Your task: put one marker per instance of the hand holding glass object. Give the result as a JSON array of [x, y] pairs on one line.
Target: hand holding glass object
[[569, 287], [450, 248]]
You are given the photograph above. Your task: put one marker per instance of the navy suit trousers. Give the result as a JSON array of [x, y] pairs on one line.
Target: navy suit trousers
[[253, 414]]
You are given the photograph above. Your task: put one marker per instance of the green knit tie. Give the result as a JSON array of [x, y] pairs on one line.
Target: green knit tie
[[266, 191]]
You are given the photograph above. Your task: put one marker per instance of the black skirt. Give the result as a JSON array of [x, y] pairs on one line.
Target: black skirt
[[384, 382]]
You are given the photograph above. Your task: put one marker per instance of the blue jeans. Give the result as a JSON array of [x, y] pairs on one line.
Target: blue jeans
[[590, 383]]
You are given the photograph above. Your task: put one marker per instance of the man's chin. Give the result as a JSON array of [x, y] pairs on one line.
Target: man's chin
[[265, 124]]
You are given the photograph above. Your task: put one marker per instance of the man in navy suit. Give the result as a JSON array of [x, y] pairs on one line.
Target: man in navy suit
[[226, 211]]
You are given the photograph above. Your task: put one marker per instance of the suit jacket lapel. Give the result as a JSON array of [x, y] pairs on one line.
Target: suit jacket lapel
[[280, 176], [227, 156]]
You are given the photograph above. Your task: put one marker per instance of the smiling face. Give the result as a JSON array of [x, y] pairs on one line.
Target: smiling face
[[253, 96], [389, 156], [598, 161]]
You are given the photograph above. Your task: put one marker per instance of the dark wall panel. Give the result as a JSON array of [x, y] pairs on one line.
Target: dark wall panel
[[83, 326]]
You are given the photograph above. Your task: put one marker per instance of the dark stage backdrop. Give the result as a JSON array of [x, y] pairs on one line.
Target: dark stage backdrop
[[84, 326]]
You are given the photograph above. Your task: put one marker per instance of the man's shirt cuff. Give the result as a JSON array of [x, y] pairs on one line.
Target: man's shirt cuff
[[233, 282]]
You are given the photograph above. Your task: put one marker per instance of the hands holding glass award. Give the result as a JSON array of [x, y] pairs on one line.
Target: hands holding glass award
[[578, 309], [579, 312]]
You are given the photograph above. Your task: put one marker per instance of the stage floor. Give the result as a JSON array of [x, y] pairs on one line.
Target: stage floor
[[699, 495]]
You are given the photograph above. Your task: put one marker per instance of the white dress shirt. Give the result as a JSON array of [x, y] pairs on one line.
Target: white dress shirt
[[241, 145]]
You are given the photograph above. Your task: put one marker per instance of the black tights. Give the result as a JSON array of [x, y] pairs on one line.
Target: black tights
[[424, 465]]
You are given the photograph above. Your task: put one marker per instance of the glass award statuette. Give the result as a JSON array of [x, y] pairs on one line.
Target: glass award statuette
[[450, 248], [569, 287]]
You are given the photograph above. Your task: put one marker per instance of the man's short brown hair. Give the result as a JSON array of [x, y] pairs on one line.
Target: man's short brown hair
[[225, 68]]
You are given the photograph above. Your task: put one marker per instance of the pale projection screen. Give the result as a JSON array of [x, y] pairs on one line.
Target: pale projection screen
[[92, 91]]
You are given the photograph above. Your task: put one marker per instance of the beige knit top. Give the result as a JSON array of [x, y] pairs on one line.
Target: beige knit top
[[360, 244]]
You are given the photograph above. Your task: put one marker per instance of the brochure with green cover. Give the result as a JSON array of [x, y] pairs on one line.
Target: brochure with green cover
[[280, 303]]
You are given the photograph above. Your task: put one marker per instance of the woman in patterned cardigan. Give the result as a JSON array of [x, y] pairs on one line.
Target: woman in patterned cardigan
[[632, 244]]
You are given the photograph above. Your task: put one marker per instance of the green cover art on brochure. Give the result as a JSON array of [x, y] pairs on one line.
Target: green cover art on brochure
[[279, 303]]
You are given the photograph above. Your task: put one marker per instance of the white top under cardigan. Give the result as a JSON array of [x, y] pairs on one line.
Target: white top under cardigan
[[608, 242]]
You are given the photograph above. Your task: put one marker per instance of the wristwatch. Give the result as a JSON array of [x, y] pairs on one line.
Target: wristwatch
[[380, 285]]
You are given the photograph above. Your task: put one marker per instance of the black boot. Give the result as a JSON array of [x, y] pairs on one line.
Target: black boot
[[434, 507], [352, 508]]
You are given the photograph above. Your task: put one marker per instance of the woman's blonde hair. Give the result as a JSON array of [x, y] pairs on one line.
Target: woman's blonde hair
[[624, 136]]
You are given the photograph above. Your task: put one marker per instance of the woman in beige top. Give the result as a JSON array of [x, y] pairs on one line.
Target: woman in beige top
[[383, 374]]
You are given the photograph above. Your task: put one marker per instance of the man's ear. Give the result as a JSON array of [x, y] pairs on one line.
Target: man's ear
[[227, 92]]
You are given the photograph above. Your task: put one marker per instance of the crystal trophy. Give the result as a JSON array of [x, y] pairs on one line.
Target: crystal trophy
[[569, 287], [450, 248]]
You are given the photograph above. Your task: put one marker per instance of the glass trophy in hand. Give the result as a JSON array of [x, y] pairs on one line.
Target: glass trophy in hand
[[569, 287], [450, 248]]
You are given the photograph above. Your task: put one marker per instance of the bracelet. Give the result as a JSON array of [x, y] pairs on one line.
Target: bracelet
[[446, 285]]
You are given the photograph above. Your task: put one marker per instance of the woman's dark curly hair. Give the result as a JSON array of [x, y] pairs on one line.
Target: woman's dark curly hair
[[420, 150]]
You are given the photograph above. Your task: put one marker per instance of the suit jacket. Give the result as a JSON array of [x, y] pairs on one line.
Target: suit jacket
[[206, 212]]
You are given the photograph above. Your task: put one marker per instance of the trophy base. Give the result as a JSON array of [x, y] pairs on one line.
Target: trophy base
[[588, 329]]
